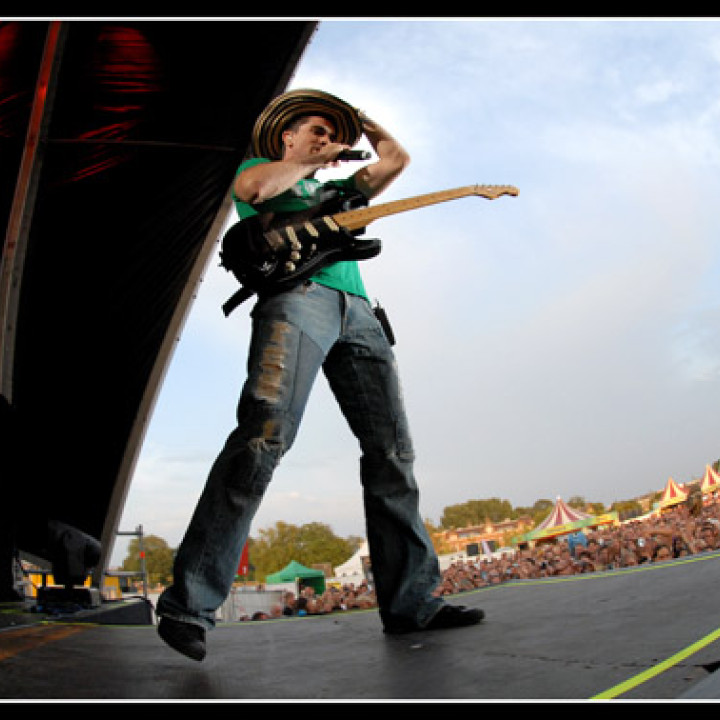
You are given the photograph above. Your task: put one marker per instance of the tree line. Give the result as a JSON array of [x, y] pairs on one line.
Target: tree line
[[309, 544], [478, 512]]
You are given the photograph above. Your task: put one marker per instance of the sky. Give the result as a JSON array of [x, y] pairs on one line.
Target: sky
[[562, 342]]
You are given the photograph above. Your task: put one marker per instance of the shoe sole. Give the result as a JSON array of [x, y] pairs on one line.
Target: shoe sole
[[194, 653], [474, 617], [467, 621]]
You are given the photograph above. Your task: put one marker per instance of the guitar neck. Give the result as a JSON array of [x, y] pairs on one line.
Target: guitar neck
[[360, 218]]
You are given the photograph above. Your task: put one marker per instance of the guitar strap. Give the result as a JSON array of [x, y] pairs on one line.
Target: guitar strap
[[237, 298]]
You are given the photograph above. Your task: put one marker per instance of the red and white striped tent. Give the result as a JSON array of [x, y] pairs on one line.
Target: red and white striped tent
[[710, 482], [564, 520], [562, 514], [673, 494]]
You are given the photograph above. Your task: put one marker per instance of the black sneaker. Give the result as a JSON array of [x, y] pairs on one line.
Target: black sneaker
[[449, 616], [186, 638]]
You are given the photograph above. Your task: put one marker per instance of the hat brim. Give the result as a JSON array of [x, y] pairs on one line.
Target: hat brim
[[282, 110]]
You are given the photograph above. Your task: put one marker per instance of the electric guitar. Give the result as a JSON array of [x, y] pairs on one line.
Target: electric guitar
[[273, 260]]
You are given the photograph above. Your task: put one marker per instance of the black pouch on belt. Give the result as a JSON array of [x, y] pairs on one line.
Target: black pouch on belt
[[382, 317]]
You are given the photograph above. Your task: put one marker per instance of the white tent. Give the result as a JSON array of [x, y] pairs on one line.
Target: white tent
[[352, 571]]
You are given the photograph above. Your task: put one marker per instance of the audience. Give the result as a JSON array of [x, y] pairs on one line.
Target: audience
[[683, 530], [678, 532]]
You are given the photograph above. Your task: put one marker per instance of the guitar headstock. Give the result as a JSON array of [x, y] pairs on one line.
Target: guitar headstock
[[494, 191]]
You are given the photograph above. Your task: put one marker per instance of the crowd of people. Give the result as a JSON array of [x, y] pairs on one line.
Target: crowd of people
[[685, 529], [308, 602]]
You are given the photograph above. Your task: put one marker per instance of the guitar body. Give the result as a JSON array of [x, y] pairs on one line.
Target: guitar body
[[297, 247]]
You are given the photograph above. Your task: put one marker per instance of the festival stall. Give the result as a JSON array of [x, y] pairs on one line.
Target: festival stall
[[673, 494], [294, 572], [564, 520], [710, 483]]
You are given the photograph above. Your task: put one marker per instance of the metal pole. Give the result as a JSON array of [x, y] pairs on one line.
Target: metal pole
[[138, 532], [143, 567]]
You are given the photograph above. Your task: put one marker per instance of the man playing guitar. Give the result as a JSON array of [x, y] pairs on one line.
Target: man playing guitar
[[322, 322]]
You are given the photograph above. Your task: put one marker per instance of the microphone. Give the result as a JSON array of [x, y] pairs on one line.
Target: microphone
[[354, 155]]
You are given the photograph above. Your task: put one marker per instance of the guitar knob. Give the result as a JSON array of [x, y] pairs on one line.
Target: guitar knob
[[294, 255], [289, 267]]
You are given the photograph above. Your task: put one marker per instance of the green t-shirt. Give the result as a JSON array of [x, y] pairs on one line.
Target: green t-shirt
[[343, 275]]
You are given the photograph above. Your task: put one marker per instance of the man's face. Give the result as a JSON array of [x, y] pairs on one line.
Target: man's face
[[309, 136]]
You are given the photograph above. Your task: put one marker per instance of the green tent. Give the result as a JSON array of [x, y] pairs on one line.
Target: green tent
[[295, 572]]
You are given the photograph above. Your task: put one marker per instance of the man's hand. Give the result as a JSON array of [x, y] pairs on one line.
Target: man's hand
[[327, 155], [372, 179]]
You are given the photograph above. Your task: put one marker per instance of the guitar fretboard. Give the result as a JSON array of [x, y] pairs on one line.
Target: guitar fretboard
[[360, 218]]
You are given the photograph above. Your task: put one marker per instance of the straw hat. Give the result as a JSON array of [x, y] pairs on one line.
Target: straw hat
[[282, 110]]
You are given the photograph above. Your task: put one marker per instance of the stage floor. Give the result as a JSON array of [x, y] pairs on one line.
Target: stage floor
[[645, 633]]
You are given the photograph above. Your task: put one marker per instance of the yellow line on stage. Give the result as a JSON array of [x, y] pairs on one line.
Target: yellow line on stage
[[652, 672]]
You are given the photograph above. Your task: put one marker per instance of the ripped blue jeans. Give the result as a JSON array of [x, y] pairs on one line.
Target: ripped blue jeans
[[295, 334]]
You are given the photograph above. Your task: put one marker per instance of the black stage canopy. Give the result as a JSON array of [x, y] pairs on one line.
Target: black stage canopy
[[119, 141]]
